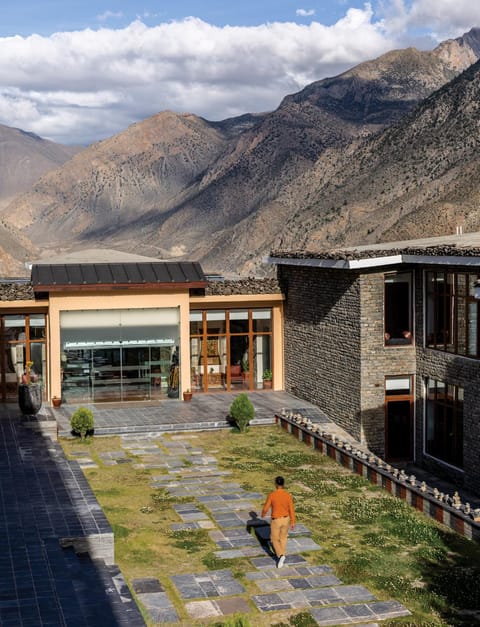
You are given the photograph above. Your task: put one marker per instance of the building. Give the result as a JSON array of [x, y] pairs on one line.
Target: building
[[105, 326], [386, 340]]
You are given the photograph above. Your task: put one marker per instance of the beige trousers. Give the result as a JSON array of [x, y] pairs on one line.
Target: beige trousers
[[278, 534]]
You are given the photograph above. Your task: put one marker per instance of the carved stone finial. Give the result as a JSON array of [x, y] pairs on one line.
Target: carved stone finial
[[457, 501]]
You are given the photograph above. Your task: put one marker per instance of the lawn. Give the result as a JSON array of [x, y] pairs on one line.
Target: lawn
[[367, 536]]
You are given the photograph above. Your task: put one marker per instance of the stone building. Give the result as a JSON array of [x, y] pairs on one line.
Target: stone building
[[386, 340]]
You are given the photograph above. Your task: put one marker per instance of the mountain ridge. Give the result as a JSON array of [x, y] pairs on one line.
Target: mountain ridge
[[224, 193]]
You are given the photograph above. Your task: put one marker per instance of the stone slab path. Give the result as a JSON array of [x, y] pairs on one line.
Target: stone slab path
[[229, 514]]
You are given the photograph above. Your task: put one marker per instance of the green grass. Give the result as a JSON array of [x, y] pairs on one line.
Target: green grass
[[367, 536]]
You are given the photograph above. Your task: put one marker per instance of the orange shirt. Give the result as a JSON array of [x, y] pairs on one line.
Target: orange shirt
[[281, 503]]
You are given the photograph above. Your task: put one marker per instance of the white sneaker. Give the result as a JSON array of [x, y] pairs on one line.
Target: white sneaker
[[281, 561]]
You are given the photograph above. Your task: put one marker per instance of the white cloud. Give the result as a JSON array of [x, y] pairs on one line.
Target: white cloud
[[77, 87], [443, 19], [305, 12], [106, 15]]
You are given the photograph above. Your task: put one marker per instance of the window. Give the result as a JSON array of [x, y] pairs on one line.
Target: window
[[232, 350], [121, 354], [451, 317], [444, 422], [398, 309]]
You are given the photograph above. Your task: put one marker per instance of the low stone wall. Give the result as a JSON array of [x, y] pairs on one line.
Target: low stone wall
[[444, 508]]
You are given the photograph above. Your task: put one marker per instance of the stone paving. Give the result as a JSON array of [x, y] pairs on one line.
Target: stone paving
[[45, 499], [46, 509], [229, 513]]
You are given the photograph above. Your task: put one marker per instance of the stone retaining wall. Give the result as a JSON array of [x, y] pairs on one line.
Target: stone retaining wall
[[444, 508]]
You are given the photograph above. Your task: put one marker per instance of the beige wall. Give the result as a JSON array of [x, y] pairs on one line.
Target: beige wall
[[106, 300], [75, 301]]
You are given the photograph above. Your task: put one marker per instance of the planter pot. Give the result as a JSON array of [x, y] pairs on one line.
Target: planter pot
[[56, 402], [29, 398], [267, 385], [187, 396]]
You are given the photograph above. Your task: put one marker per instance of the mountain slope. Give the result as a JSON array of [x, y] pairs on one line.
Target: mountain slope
[[417, 178], [223, 193], [25, 157], [146, 168]]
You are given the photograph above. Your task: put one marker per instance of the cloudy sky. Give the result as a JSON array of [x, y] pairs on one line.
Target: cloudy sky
[[76, 71]]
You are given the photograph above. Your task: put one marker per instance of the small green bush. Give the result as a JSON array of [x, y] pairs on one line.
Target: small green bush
[[242, 411], [82, 421]]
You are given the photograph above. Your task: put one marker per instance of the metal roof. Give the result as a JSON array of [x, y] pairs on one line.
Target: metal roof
[[70, 276]]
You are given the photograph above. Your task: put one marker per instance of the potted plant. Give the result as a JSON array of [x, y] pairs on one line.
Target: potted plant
[[56, 401], [267, 379], [29, 392], [187, 395]]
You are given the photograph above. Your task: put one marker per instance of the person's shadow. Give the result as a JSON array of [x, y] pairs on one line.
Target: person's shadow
[[261, 528]]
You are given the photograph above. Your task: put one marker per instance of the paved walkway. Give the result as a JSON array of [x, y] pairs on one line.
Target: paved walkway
[[205, 411], [49, 518], [46, 503]]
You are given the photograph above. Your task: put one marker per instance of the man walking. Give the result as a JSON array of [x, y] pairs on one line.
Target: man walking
[[283, 516]]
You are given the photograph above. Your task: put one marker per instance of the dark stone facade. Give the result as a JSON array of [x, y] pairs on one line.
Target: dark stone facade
[[229, 287], [455, 370], [322, 340], [16, 291], [335, 357]]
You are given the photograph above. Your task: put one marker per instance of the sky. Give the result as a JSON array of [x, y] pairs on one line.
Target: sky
[[78, 71]]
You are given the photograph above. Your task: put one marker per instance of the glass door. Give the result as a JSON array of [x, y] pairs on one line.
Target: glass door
[[398, 419]]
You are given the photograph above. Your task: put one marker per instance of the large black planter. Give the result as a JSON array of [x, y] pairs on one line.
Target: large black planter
[[29, 398]]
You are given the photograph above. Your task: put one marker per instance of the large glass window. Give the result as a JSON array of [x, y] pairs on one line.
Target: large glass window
[[398, 309], [444, 422], [452, 322], [230, 349], [119, 354]]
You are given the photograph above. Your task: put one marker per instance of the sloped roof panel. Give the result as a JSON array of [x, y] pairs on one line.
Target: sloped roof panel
[[45, 276]]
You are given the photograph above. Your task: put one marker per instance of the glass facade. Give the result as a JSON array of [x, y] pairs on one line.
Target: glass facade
[[452, 322], [444, 422], [119, 355], [230, 349]]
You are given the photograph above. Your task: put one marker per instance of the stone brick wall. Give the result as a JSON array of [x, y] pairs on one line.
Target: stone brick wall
[[322, 340], [378, 361], [335, 357], [16, 291]]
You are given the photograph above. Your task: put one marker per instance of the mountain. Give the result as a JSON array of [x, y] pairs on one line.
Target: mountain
[[25, 157], [226, 192], [417, 178]]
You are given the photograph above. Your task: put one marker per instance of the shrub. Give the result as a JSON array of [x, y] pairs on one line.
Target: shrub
[[242, 411], [82, 421]]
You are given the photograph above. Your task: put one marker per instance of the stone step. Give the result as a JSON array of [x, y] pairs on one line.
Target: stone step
[[155, 430], [88, 592]]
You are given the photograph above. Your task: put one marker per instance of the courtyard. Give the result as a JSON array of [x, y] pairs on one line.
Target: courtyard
[[190, 547]]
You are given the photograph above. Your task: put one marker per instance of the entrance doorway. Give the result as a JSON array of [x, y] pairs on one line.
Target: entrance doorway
[[22, 339], [398, 419]]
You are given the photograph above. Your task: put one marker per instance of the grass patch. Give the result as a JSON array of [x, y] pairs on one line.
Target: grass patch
[[367, 536]]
